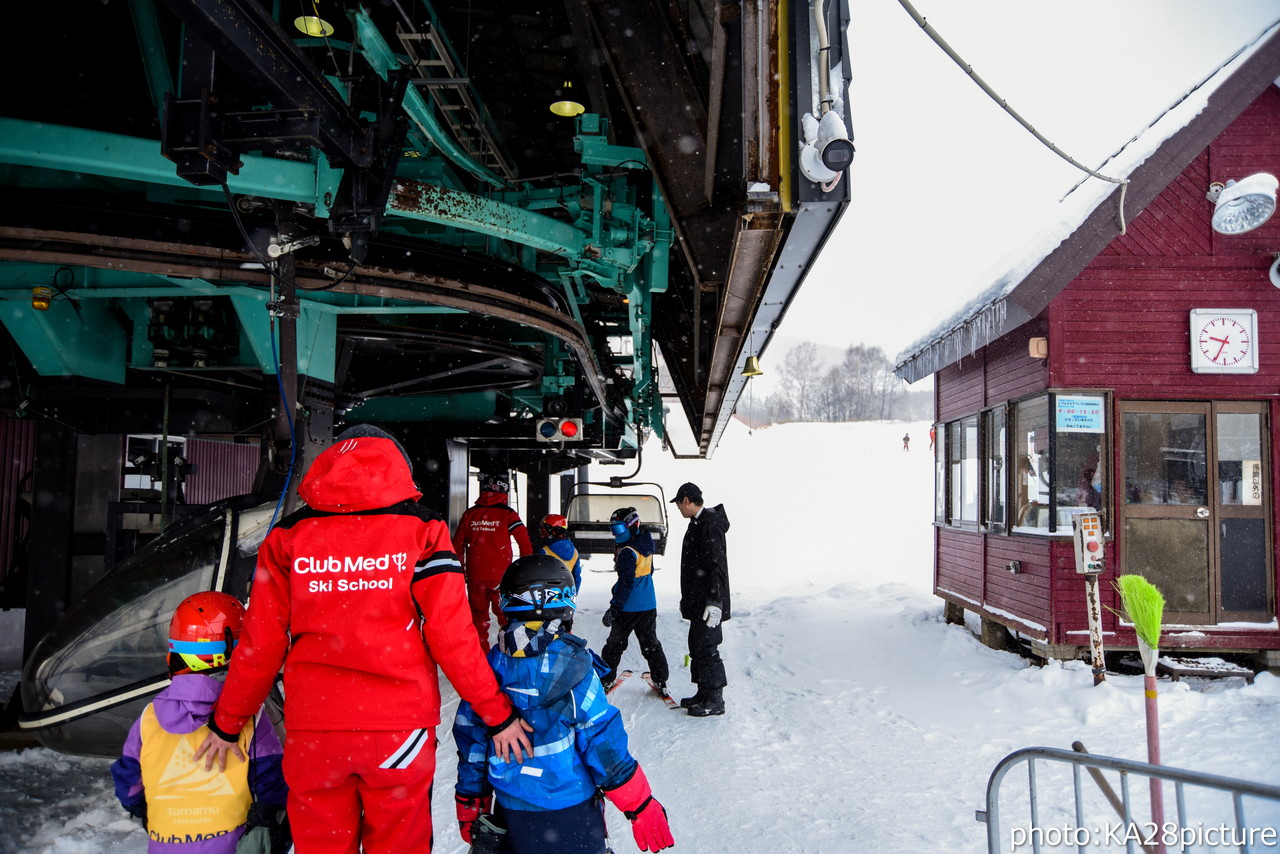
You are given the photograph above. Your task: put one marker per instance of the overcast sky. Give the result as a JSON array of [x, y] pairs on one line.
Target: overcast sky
[[945, 183]]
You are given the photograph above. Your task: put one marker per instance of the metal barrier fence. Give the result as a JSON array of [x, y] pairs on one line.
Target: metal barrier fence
[[1134, 834]]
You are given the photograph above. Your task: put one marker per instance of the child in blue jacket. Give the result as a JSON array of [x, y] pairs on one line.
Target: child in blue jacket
[[580, 745], [186, 809]]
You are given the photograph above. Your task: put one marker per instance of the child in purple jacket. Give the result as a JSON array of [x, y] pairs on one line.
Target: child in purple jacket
[[186, 809]]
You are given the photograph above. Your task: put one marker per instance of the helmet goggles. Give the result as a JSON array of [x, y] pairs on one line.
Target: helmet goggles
[[202, 654], [536, 599]]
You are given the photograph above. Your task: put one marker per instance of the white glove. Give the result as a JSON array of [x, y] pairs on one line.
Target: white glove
[[712, 615]]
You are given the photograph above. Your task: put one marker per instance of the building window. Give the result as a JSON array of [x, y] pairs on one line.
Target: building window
[[1027, 467], [1031, 465], [996, 486], [962, 471], [940, 476]]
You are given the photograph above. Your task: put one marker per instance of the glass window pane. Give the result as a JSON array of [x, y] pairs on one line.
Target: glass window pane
[[997, 471], [1164, 458], [1078, 477], [1031, 464], [1240, 472], [940, 477]]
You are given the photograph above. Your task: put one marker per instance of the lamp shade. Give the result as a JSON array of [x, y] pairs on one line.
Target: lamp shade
[[1246, 204], [567, 106]]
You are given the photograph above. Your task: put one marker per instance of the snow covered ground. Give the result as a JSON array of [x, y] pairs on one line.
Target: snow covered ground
[[857, 719]]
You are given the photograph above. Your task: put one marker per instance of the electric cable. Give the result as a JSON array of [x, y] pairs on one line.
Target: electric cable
[[1004, 105]]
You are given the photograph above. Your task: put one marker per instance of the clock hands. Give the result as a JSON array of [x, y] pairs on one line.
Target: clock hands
[[1222, 342]]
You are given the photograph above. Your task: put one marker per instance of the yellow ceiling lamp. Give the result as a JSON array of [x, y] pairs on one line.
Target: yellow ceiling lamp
[[567, 106], [313, 25]]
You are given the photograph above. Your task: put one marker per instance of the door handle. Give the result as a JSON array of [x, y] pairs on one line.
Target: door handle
[[1202, 512]]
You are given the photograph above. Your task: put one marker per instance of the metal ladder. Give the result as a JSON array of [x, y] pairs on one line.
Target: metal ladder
[[1134, 834]]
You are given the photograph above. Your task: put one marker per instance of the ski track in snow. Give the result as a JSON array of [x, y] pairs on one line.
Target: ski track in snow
[[857, 719]]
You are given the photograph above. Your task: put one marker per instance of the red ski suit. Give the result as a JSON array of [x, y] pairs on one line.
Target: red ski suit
[[359, 597], [483, 543]]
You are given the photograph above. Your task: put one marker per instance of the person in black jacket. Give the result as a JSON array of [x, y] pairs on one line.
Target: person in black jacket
[[704, 597]]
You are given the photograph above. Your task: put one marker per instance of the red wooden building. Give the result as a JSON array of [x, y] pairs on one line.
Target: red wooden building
[[1098, 381]]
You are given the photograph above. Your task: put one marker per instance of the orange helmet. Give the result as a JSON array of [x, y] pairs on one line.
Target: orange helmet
[[204, 629], [554, 526]]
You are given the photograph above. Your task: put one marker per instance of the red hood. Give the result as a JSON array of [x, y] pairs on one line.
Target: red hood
[[489, 499], [358, 474]]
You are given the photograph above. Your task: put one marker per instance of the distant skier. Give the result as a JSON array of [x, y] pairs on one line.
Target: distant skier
[[550, 803], [483, 543], [906, 441], [633, 606]]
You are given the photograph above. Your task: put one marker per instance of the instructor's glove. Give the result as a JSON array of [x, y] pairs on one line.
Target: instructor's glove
[[469, 809], [609, 616], [648, 817], [712, 615]]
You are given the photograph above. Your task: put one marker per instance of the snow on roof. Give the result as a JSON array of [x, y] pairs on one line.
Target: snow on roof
[[989, 314]]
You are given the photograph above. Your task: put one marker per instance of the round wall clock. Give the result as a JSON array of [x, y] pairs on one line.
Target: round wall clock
[[1224, 341]]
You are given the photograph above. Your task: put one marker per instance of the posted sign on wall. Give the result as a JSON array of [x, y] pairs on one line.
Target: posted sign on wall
[[1080, 414]]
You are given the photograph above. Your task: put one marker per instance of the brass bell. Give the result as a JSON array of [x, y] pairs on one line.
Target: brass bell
[[752, 367]]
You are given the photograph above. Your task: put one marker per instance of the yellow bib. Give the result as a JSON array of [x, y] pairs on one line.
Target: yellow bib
[[644, 563], [186, 803], [568, 563]]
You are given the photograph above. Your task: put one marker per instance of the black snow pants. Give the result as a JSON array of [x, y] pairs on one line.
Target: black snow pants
[[706, 670], [645, 626]]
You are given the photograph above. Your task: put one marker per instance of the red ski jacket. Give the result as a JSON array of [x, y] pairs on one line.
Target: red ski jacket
[[360, 597], [483, 539]]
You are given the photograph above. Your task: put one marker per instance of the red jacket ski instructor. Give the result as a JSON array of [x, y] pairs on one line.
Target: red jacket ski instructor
[[359, 596], [483, 544]]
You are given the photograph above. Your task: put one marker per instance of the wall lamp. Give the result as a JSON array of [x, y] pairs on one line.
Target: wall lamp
[[1243, 205]]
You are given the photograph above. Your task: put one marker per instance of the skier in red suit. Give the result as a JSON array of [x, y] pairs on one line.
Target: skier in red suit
[[359, 596], [483, 544]]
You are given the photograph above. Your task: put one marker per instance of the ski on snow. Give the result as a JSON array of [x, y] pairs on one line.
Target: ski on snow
[[664, 695], [617, 682]]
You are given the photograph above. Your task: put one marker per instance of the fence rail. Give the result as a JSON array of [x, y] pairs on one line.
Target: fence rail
[[1134, 834]]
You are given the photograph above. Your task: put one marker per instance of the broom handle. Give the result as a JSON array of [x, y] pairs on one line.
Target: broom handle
[[1153, 757]]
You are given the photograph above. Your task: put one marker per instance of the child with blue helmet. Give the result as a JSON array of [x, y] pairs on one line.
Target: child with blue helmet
[[580, 744]]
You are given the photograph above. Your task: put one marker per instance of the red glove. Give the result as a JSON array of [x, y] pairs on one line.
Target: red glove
[[648, 817], [470, 809]]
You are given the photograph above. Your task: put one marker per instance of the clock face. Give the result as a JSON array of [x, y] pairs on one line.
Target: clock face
[[1224, 341]]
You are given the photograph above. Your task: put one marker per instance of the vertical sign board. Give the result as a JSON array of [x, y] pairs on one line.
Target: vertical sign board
[[1080, 414]]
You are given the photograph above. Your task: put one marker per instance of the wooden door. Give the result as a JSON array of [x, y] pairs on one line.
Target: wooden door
[[1194, 505]]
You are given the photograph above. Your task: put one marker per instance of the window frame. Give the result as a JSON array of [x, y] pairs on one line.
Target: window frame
[[989, 420]]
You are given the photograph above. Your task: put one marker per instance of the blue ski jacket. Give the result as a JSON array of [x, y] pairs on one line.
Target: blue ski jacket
[[633, 591], [579, 739]]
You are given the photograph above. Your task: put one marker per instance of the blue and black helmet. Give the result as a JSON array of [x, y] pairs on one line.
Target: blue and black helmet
[[537, 587], [624, 523]]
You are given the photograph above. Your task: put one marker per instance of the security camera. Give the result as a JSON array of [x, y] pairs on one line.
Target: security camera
[[827, 151]]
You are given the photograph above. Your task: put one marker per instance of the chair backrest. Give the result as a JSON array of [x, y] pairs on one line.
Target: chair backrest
[[588, 514]]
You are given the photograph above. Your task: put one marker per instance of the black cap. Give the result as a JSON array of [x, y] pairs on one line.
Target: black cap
[[689, 491]]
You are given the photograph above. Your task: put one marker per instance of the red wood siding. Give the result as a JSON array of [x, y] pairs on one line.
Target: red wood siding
[[1124, 324], [1025, 595], [1011, 371], [960, 388], [959, 563]]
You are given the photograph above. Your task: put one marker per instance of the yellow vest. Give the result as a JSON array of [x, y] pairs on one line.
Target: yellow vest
[[644, 563], [186, 803], [568, 563]]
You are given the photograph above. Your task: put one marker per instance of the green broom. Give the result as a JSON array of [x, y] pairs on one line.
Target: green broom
[[1145, 607]]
